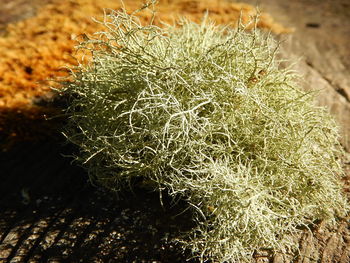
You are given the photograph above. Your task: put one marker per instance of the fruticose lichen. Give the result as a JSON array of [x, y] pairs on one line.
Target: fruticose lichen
[[34, 50], [206, 113]]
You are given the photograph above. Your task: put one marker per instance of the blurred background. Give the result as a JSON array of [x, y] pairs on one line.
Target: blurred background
[[48, 209]]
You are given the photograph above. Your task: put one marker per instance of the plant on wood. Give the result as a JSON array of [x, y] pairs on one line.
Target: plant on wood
[[206, 113]]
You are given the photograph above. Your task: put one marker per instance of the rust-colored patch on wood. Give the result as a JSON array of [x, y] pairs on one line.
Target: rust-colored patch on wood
[[34, 51]]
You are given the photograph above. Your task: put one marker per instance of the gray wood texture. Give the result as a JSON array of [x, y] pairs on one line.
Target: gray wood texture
[[48, 213]]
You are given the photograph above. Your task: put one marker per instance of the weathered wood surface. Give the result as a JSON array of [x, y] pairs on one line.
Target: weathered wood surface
[[321, 46], [48, 212], [320, 43], [15, 10]]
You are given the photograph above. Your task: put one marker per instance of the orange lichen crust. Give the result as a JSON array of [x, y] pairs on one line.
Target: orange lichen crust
[[35, 50]]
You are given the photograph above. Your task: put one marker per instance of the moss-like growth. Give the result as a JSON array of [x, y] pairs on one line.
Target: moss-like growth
[[206, 113]]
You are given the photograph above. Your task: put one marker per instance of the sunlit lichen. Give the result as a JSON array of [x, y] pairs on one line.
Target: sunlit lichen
[[206, 113]]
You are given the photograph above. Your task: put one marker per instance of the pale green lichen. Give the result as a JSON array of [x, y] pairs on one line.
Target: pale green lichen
[[206, 113]]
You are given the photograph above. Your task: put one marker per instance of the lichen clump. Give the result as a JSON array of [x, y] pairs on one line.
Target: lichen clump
[[35, 50], [46, 41], [205, 112]]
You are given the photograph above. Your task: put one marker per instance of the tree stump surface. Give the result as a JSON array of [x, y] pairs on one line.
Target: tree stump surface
[[50, 213], [320, 43]]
